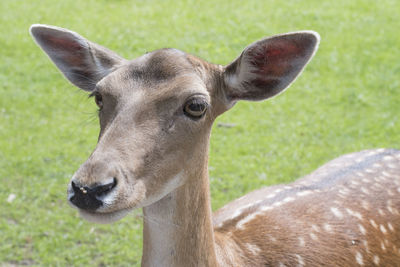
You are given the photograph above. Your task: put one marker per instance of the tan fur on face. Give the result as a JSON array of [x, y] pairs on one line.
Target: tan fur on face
[[143, 131]]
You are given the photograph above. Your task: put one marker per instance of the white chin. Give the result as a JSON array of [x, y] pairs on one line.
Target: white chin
[[103, 218]]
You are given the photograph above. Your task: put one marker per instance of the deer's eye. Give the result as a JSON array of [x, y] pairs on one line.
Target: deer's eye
[[99, 100], [195, 108]]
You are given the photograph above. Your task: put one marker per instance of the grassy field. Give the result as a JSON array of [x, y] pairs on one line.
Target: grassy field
[[346, 100]]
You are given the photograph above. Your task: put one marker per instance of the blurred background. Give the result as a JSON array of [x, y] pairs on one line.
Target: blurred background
[[346, 100]]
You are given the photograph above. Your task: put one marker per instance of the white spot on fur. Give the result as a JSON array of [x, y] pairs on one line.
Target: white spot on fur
[[376, 259], [337, 213], [354, 213], [288, 199], [315, 228], [273, 239], [266, 208], [254, 249], [327, 228], [366, 245], [301, 242], [373, 223], [362, 229], [390, 226], [369, 170], [313, 236], [359, 258], [304, 193], [271, 196], [391, 166], [247, 219], [365, 180], [383, 229], [360, 174], [343, 192], [388, 158], [364, 190], [300, 260], [380, 211], [393, 210], [383, 246], [365, 204], [377, 165]]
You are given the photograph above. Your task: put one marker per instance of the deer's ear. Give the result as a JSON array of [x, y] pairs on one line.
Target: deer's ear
[[82, 62], [267, 67]]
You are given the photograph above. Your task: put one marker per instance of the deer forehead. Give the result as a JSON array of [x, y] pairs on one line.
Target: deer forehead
[[163, 76], [153, 69]]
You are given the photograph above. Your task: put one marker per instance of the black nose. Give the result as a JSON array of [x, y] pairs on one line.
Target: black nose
[[89, 198]]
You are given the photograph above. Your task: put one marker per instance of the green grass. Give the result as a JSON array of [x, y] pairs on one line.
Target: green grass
[[346, 100]]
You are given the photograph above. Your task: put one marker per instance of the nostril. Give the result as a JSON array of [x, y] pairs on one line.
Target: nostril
[[75, 188], [79, 189], [105, 188]]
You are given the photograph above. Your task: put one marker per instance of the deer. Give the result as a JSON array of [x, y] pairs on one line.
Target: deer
[[156, 113]]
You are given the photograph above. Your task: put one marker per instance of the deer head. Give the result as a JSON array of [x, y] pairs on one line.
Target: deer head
[[156, 111]]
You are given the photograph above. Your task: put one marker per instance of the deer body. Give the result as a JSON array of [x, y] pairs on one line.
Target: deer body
[[346, 213], [156, 114]]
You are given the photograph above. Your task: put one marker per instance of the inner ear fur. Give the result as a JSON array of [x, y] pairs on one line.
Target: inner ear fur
[[266, 67], [82, 62]]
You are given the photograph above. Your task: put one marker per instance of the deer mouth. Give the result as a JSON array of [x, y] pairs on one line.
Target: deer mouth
[[103, 217]]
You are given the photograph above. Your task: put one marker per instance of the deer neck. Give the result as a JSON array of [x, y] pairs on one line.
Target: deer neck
[[178, 228]]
